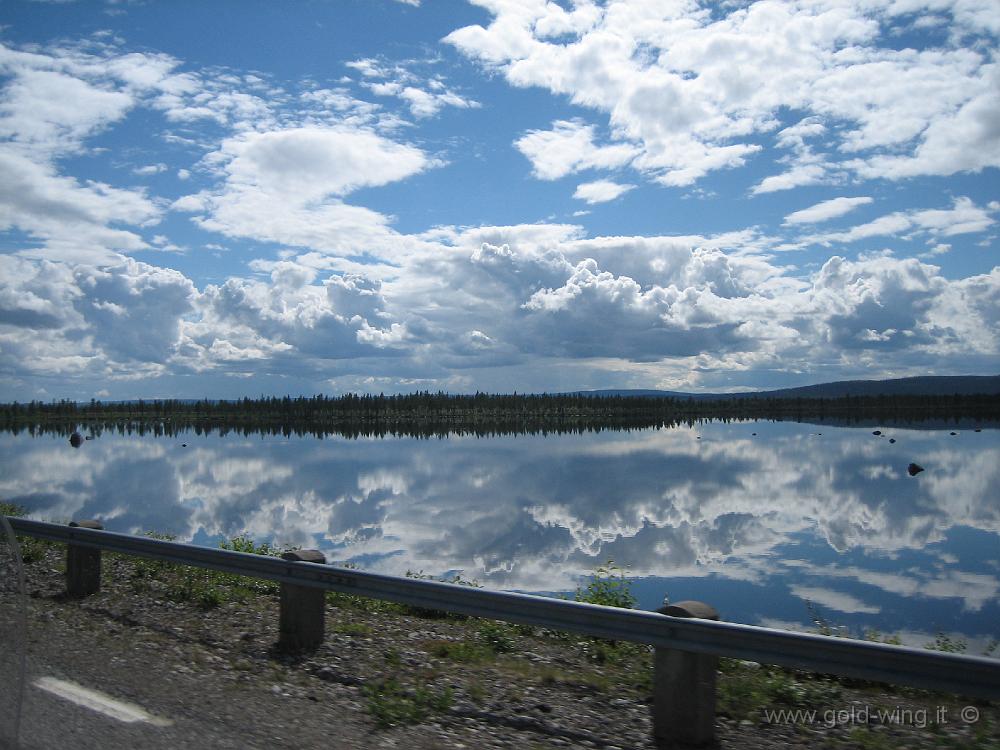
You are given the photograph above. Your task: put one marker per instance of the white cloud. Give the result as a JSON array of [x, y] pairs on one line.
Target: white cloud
[[118, 321], [73, 221], [697, 91], [600, 191], [362, 300], [290, 319], [50, 103], [797, 176], [425, 97], [150, 169], [838, 600], [287, 186], [826, 210], [965, 217], [569, 148], [52, 112], [311, 163]]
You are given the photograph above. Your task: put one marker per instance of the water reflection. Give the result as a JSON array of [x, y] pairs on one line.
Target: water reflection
[[756, 524]]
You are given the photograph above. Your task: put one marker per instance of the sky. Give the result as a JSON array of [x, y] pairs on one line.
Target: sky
[[232, 199]]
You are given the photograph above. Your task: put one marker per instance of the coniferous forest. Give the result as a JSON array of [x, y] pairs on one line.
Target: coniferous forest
[[428, 414]]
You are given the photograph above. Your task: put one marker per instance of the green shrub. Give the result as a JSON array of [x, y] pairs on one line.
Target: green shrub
[[943, 642], [497, 636], [609, 587], [11, 509], [243, 543]]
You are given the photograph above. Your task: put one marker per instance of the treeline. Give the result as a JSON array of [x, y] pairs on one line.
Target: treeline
[[434, 414]]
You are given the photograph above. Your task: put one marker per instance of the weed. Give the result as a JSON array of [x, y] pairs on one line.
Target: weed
[[943, 642], [390, 704], [609, 587], [392, 657], [866, 739], [243, 543], [496, 636], [870, 634], [600, 651], [464, 651], [548, 675], [32, 550], [352, 628], [159, 535], [11, 509], [477, 693], [743, 690]]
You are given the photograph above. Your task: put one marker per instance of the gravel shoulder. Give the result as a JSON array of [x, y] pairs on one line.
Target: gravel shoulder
[[389, 677]]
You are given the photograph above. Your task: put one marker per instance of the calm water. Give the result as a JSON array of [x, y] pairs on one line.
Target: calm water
[[768, 528]]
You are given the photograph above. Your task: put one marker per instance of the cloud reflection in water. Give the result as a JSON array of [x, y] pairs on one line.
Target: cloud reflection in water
[[788, 514]]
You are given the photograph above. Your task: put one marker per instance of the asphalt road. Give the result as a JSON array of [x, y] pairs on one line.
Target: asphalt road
[[100, 689]]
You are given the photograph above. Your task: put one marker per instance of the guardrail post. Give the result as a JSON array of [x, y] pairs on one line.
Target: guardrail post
[[83, 564], [303, 608], [684, 688]]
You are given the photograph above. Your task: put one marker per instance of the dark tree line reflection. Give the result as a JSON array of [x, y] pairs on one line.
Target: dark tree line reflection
[[428, 414]]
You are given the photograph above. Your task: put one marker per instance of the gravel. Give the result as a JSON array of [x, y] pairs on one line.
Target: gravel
[[218, 674]]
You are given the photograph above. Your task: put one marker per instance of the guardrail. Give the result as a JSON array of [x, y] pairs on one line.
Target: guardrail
[[686, 638]]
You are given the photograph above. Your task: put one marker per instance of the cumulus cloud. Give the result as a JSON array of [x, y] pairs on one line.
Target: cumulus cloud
[[289, 320], [694, 92], [600, 191], [120, 320], [347, 296], [569, 148], [287, 186]]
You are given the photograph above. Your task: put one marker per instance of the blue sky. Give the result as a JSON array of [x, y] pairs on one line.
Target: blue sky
[[225, 199]]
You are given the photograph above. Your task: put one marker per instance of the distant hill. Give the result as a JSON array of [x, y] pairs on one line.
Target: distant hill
[[924, 385]]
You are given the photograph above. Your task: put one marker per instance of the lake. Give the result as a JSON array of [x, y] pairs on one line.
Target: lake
[[793, 523]]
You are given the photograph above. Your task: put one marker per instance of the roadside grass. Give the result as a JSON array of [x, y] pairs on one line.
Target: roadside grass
[[11, 509], [352, 628], [744, 688], [391, 703], [205, 588], [32, 550], [484, 641]]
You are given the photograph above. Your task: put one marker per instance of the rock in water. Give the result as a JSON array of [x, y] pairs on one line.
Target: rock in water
[[877, 432], [914, 469], [892, 440], [76, 440]]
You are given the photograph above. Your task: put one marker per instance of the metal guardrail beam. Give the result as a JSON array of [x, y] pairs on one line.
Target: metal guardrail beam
[[955, 673]]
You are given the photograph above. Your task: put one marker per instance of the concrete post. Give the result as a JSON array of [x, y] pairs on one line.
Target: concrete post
[[83, 564], [303, 608], [684, 688]]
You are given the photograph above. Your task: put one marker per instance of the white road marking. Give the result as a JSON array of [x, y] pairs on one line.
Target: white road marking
[[95, 701]]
